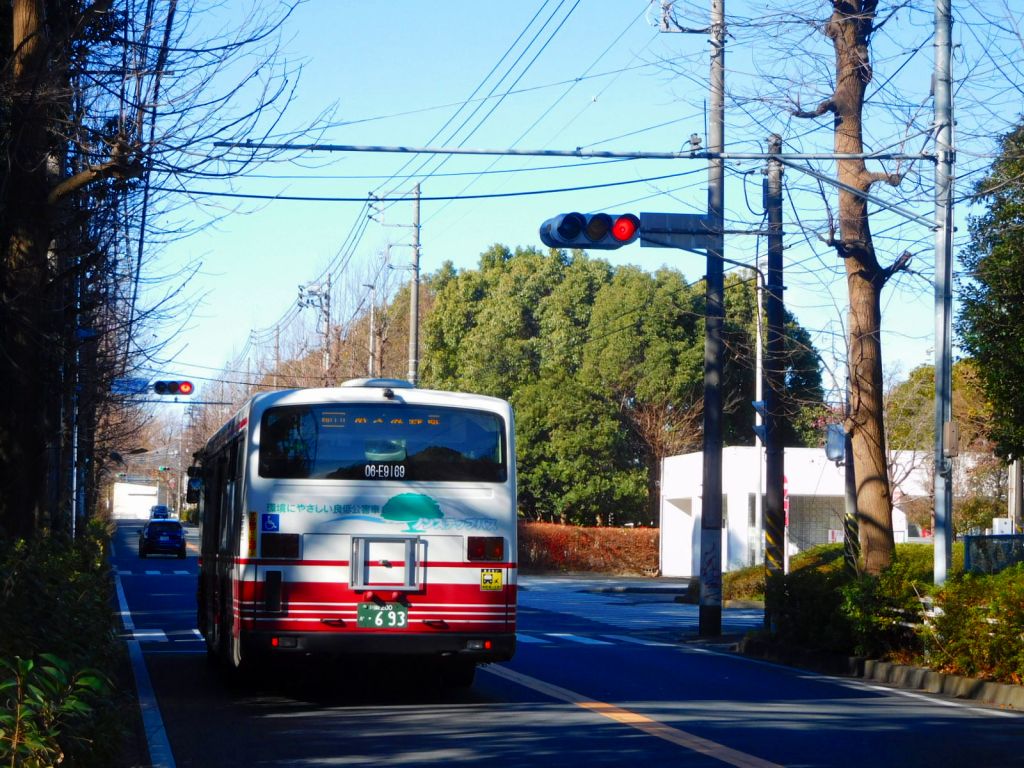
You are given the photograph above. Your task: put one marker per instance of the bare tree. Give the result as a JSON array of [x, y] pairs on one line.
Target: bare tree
[[113, 107]]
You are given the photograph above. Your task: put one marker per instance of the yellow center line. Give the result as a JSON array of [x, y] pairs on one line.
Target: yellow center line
[[636, 720]]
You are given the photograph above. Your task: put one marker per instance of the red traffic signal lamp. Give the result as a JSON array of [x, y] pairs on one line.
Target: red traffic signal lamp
[[173, 387], [603, 231]]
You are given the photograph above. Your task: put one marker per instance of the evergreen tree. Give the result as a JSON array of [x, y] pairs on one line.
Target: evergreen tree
[[992, 294]]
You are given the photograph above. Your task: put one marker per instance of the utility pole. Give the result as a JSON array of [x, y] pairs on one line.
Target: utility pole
[[373, 329], [319, 296], [944, 156], [775, 514], [414, 291], [710, 610]]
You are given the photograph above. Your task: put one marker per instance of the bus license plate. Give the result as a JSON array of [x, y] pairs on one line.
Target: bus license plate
[[382, 615]]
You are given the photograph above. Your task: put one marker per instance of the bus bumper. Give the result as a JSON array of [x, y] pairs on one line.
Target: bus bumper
[[480, 648]]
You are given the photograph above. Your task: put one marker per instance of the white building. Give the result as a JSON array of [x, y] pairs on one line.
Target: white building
[[815, 491]]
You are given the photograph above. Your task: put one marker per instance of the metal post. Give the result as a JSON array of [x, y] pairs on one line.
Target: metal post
[[414, 294], [943, 286], [710, 610], [774, 515]]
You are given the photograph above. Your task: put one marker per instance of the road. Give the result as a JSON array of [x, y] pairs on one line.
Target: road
[[600, 678]]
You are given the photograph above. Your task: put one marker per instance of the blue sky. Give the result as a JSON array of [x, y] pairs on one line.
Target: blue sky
[[593, 74]]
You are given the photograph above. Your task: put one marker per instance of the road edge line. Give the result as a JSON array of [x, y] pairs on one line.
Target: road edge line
[[157, 743]]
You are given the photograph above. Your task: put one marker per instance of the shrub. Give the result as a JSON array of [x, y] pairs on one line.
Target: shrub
[[57, 632], [804, 609], [46, 707], [977, 632], [552, 547]]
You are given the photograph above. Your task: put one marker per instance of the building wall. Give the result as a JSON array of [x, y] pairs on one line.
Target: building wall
[[816, 489]]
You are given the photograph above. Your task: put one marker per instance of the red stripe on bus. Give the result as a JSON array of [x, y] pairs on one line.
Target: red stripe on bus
[[265, 561]]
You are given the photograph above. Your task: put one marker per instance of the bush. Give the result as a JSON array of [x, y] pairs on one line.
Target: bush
[[804, 609], [551, 547], [977, 632], [45, 705], [57, 632]]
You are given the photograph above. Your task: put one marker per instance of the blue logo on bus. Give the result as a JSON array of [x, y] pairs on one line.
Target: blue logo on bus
[[270, 523]]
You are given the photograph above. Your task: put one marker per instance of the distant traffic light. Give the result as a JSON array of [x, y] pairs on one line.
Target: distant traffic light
[[162, 469], [173, 387], [604, 231]]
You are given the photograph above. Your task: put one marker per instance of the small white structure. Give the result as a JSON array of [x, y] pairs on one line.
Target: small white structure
[[132, 501], [815, 490]]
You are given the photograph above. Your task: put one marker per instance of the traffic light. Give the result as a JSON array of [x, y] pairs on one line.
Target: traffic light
[[162, 469], [604, 231], [173, 387]]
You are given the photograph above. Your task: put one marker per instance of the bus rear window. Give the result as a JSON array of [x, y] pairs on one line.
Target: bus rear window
[[382, 442]]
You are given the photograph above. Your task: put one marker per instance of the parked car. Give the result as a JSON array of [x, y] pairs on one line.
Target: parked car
[[165, 537], [159, 512]]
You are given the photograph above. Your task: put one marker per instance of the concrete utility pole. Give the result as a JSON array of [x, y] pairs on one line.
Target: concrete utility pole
[[710, 610], [774, 514], [414, 292], [944, 156]]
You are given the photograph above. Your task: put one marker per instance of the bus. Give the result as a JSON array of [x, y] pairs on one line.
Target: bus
[[371, 518]]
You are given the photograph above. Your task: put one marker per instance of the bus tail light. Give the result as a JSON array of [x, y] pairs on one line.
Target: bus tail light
[[486, 548]]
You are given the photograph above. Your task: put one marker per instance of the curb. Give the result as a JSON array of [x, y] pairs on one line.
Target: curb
[[903, 676], [917, 678]]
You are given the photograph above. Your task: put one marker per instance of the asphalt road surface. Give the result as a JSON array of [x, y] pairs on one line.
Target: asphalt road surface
[[601, 677]]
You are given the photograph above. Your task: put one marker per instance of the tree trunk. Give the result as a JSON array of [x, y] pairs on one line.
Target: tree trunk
[[23, 284], [849, 29]]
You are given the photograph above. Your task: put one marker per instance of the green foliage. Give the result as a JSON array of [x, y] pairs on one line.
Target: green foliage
[[56, 629], [46, 706], [604, 366], [977, 630], [989, 324], [883, 611], [55, 595]]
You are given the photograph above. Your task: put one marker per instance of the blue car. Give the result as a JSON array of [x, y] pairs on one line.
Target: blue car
[[164, 537], [160, 512]]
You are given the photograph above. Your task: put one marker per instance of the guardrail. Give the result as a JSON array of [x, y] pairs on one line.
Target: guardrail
[[991, 554]]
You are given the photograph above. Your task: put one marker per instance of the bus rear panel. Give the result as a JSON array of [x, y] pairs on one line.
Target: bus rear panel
[[361, 520]]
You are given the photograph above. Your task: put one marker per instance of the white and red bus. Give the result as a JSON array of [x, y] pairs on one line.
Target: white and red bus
[[371, 518]]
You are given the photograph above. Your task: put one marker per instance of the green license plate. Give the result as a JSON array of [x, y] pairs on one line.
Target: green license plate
[[382, 615]]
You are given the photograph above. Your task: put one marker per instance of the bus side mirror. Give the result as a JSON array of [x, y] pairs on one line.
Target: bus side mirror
[[194, 471]]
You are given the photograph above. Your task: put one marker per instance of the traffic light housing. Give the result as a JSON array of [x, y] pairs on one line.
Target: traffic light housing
[[603, 231], [173, 387]]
